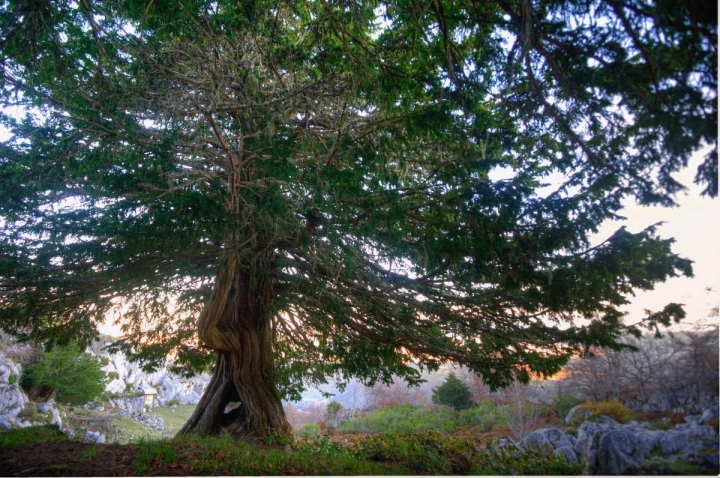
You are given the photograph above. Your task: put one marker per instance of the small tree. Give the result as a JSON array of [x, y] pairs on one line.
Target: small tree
[[332, 413], [75, 377], [453, 393]]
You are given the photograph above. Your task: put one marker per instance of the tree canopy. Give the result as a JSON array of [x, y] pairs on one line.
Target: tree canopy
[[72, 376], [312, 187]]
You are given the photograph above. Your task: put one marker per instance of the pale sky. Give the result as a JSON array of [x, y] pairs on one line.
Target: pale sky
[[695, 225]]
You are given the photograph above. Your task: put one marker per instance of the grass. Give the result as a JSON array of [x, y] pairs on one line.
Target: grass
[[174, 418], [128, 430], [193, 455], [90, 454], [428, 453], [15, 438]]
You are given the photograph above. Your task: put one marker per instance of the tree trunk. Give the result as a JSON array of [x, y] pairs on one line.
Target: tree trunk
[[241, 398]]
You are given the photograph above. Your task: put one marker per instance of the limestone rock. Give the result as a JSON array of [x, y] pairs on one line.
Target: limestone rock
[[569, 453], [129, 376], [548, 438], [94, 437], [619, 450], [575, 414], [651, 439], [673, 442], [12, 398]]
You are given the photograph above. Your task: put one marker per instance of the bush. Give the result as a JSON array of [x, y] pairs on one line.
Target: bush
[[610, 408], [562, 404], [402, 418], [12, 379], [172, 402], [411, 419], [74, 376], [452, 393], [309, 430], [428, 452], [113, 375]]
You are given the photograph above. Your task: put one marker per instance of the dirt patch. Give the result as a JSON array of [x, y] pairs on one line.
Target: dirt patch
[[67, 458]]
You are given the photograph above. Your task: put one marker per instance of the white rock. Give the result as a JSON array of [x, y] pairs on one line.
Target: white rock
[[12, 398]]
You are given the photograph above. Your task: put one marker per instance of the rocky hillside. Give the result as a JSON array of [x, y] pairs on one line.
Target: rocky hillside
[[122, 391]]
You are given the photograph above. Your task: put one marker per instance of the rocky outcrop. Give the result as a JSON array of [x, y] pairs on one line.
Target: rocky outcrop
[[12, 399], [618, 451], [552, 440], [606, 447], [128, 378]]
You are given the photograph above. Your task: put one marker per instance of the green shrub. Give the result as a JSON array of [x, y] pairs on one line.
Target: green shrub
[[74, 376], [113, 375], [610, 408], [562, 404], [427, 452], [453, 393], [12, 379], [402, 418], [485, 416], [309, 430], [411, 419], [172, 402]]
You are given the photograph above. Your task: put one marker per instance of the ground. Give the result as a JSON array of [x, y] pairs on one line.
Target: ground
[[60, 456], [70, 458]]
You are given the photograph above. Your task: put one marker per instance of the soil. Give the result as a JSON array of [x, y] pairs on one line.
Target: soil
[[68, 458]]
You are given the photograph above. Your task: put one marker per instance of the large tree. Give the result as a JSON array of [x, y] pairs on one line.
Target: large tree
[[305, 188]]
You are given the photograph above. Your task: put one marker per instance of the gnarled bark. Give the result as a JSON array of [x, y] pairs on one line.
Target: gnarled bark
[[236, 322]]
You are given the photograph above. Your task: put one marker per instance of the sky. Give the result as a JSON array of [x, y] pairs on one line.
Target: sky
[[695, 225]]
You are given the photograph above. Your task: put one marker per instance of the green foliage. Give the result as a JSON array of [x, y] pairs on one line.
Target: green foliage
[[427, 453], [433, 453], [410, 419], [12, 379], [610, 408], [211, 456], [309, 430], [453, 393], [562, 404], [113, 375], [485, 416], [158, 452], [172, 402], [12, 439], [331, 414], [76, 376]]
